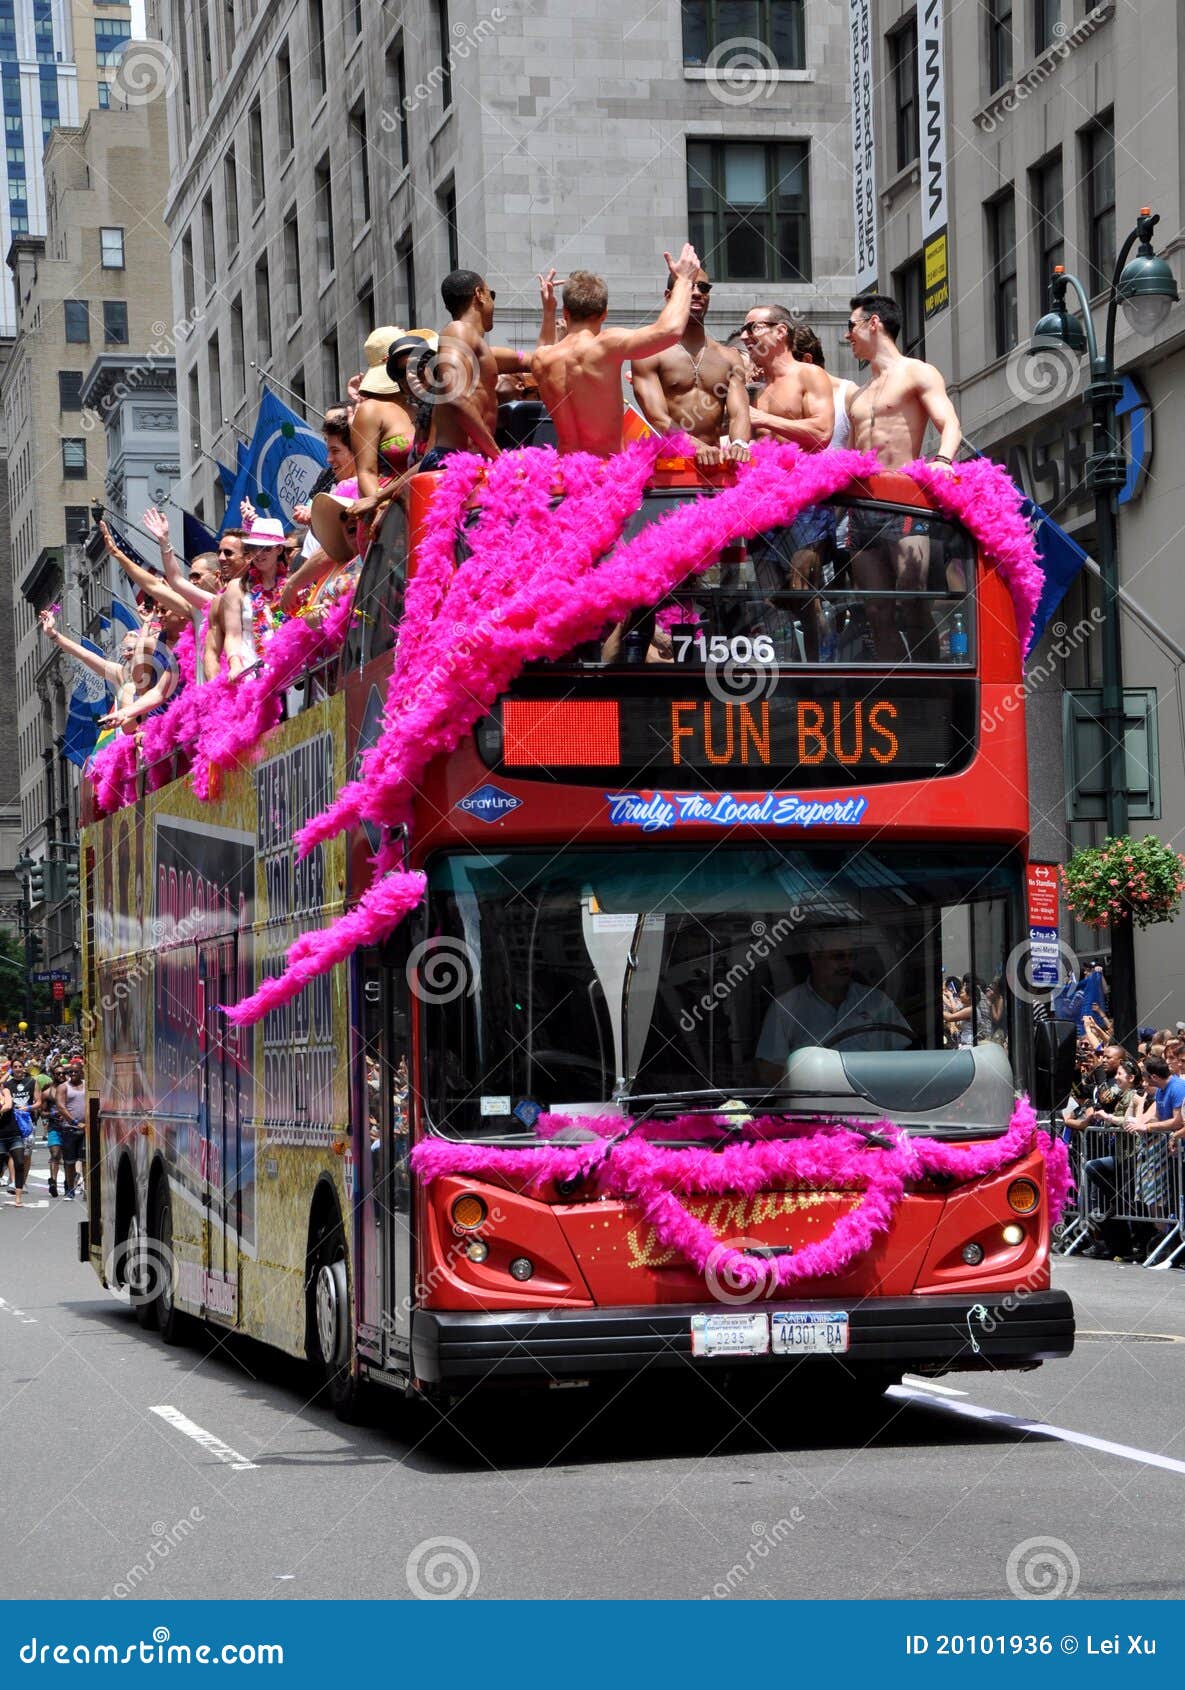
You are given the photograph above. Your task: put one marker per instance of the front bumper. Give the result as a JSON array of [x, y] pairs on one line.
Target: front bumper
[[931, 1333]]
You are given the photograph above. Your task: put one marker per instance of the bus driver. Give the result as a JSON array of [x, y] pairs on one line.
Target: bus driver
[[827, 1003]]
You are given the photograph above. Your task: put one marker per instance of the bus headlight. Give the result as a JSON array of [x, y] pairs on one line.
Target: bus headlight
[[1013, 1234], [973, 1254], [1023, 1196], [521, 1268], [468, 1211], [477, 1249]]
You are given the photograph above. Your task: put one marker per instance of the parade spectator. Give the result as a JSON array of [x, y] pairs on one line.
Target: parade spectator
[[70, 1102]]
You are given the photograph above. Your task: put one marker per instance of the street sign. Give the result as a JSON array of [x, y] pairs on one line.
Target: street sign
[[1042, 886], [46, 976], [59, 989]]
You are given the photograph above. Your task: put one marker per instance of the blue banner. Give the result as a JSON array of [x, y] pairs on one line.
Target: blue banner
[[278, 469], [197, 538], [1061, 558], [90, 700]]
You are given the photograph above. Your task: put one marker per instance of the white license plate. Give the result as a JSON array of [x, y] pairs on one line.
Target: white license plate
[[809, 1332], [730, 1334]]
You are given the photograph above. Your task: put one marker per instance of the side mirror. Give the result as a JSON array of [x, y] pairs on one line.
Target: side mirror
[[1055, 1053]]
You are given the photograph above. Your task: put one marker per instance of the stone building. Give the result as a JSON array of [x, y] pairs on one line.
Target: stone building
[[1060, 122], [96, 279], [332, 161]]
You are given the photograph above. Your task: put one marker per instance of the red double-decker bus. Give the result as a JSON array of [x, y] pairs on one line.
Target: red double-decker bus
[[748, 864]]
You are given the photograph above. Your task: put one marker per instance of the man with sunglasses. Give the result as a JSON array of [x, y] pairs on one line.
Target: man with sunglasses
[[831, 1006], [697, 385]]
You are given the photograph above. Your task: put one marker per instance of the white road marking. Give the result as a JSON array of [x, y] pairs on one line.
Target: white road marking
[[17, 1314], [1041, 1429], [182, 1423], [913, 1383]]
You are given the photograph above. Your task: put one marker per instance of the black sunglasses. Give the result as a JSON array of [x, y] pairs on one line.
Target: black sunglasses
[[702, 287]]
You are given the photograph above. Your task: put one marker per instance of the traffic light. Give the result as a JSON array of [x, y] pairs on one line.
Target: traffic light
[[33, 951], [72, 883], [37, 880]]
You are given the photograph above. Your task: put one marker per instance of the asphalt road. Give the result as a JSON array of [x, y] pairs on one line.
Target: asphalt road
[[243, 1489]]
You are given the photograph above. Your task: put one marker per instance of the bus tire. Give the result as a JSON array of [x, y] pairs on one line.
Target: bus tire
[[161, 1265], [143, 1306], [328, 1319]]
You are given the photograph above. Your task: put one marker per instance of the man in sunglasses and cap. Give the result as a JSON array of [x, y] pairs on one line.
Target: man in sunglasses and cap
[[697, 385]]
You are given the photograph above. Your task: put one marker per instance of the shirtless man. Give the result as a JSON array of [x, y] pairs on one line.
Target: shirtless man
[[580, 377], [888, 416], [796, 405], [697, 386], [464, 382]]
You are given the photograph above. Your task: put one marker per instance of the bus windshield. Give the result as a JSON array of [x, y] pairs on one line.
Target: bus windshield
[[582, 982]]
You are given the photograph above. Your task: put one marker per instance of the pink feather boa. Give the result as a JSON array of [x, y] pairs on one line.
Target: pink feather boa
[[538, 582], [654, 1180]]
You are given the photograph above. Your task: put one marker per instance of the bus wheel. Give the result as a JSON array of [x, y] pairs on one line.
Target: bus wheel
[[161, 1270], [329, 1321]]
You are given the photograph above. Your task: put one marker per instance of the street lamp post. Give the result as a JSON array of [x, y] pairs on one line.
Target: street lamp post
[[1145, 287], [24, 869]]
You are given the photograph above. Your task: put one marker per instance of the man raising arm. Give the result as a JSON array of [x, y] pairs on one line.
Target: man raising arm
[[579, 378], [697, 385]]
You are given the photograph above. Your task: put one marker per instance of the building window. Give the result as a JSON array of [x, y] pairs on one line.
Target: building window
[[397, 99], [194, 417], [255, 154], [446, 203], [405, 257], [111, 248], [903, 68], [712, 24], [297, 383], [284, 100], [909, 292], [230, 188], [110, 40], [317, 76], [73, 460], [78, 322], [69, 390], [1001, 215], [999, 28], [115, 322], [104, 96], [749, 209], [330, 371], [78, 524], [293, 301], [209, 250], [1048, 222], [443, 46], [365, 324], [188, 283], [323, 210], [1047, 14], [1099, 171], [214, 369], [263, 310], [352, 11], [238, 355], [359, 164]]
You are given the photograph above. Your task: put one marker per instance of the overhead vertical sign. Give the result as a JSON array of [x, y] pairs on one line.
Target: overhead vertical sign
[[863, 143], [932, 105], [1041, 884]]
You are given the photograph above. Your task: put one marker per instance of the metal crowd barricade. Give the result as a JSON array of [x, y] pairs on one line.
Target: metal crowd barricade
[[1145, 1188]]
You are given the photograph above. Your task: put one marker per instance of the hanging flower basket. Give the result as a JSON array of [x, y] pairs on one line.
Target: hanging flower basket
[[1140, 878]]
